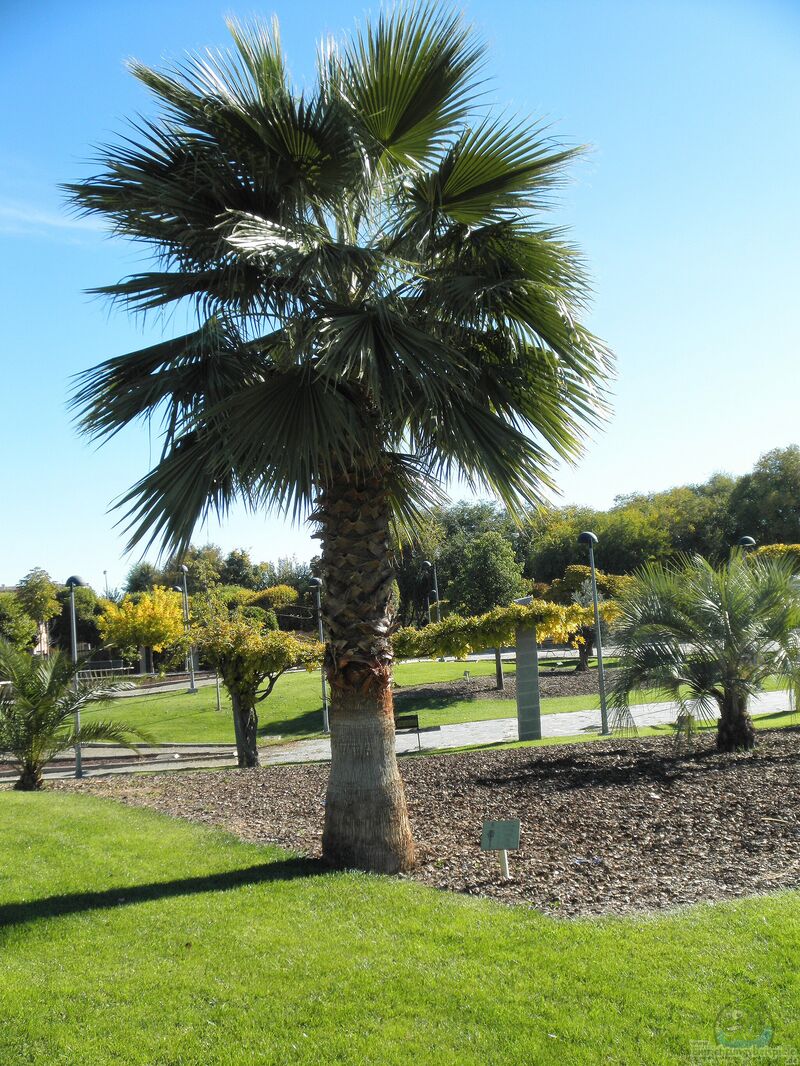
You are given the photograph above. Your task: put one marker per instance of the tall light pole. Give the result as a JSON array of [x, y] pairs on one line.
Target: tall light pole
[[590, 539], [431, 566], [316, 584], [72, 584], [185, 571]]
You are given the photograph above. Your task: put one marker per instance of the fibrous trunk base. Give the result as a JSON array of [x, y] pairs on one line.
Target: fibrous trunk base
[[366, 823]]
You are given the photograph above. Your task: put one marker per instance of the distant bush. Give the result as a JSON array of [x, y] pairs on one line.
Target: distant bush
[[275, 597], [779, 551]]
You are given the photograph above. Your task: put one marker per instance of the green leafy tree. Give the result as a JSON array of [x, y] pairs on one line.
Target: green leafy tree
[[16, 625], [381, 307], [88, 609], [250, 660], [708, 638], [38, 702], [239, 569], [38, 594], [765, 504], [490, 576], [143, 577]]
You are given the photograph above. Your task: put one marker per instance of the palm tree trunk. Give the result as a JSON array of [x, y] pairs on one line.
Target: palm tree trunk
[[735, 729], [31, 779], [366, 822], [245, 727]]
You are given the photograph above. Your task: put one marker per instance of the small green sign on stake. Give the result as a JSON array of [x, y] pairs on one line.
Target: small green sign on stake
[[502, 837]]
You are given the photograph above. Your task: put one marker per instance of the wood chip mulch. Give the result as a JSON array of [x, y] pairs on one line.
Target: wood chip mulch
[[551, 683], [608, 827]]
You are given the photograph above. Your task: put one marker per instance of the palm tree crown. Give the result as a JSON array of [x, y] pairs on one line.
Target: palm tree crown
[[709, 637], [39, 698], [373, 288]]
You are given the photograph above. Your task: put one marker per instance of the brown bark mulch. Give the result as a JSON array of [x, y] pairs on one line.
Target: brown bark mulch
[[607, 827], [570, 683]]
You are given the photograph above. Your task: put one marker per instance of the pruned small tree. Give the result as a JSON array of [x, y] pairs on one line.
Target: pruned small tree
[[250, 659]]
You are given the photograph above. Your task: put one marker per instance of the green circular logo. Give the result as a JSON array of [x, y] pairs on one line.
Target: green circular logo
[[738, 1027]]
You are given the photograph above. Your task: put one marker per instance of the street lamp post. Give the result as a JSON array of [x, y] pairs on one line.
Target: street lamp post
[[435, 590], [73, 583], [745, 543], [185, 571], [316, 585], [590, 539]]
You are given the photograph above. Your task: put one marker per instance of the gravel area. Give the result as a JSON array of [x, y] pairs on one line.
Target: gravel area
[[610, 827]]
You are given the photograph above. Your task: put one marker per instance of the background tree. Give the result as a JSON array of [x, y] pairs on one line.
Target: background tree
[[153, 620], [575, 586], [239, 569], [88, 608], [38, 703], [38, 595], [16, 625], [489, 577], [250, 660], [765, 504], [381, 307], [708, 638], [142, 577]]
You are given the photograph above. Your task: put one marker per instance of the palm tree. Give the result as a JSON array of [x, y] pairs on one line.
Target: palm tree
[[708, 638], [39, 698], [379, 311]]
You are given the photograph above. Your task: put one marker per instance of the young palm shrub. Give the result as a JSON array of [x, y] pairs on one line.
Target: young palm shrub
[[708, 637], [38, 701], [380, 308]]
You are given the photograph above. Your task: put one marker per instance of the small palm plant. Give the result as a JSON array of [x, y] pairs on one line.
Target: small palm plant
[[38, 701], [708, 638]]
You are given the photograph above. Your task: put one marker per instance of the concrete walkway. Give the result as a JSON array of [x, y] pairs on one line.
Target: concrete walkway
[[494, 731]]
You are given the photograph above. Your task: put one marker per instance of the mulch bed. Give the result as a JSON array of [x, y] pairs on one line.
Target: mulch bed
[[610, 827], [569, 683]]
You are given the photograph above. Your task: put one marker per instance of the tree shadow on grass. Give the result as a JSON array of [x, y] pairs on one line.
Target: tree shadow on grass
[[126, 895], [310, 722]]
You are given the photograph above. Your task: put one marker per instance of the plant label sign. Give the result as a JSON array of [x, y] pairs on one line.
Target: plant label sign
[[500, 836]]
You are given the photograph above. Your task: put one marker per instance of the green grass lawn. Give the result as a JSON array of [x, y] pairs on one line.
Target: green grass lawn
[[127, 937], [294, 710]]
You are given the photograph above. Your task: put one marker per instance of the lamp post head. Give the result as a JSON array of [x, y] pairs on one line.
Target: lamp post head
[[746, 542], [184, 568], [428, 565], [315, 582], [74, 582], [587, 537], [177, 588]]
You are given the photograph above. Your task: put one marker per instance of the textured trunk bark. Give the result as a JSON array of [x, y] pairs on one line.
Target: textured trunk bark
[[498, 669], [30, 779], [366, 822], [735, 729], [585, 650], [245, 726]]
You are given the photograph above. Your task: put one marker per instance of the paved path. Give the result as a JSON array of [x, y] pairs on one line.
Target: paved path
[[497, 730]]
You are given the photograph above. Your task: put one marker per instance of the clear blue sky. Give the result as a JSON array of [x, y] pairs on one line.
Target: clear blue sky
[[687, 207]]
